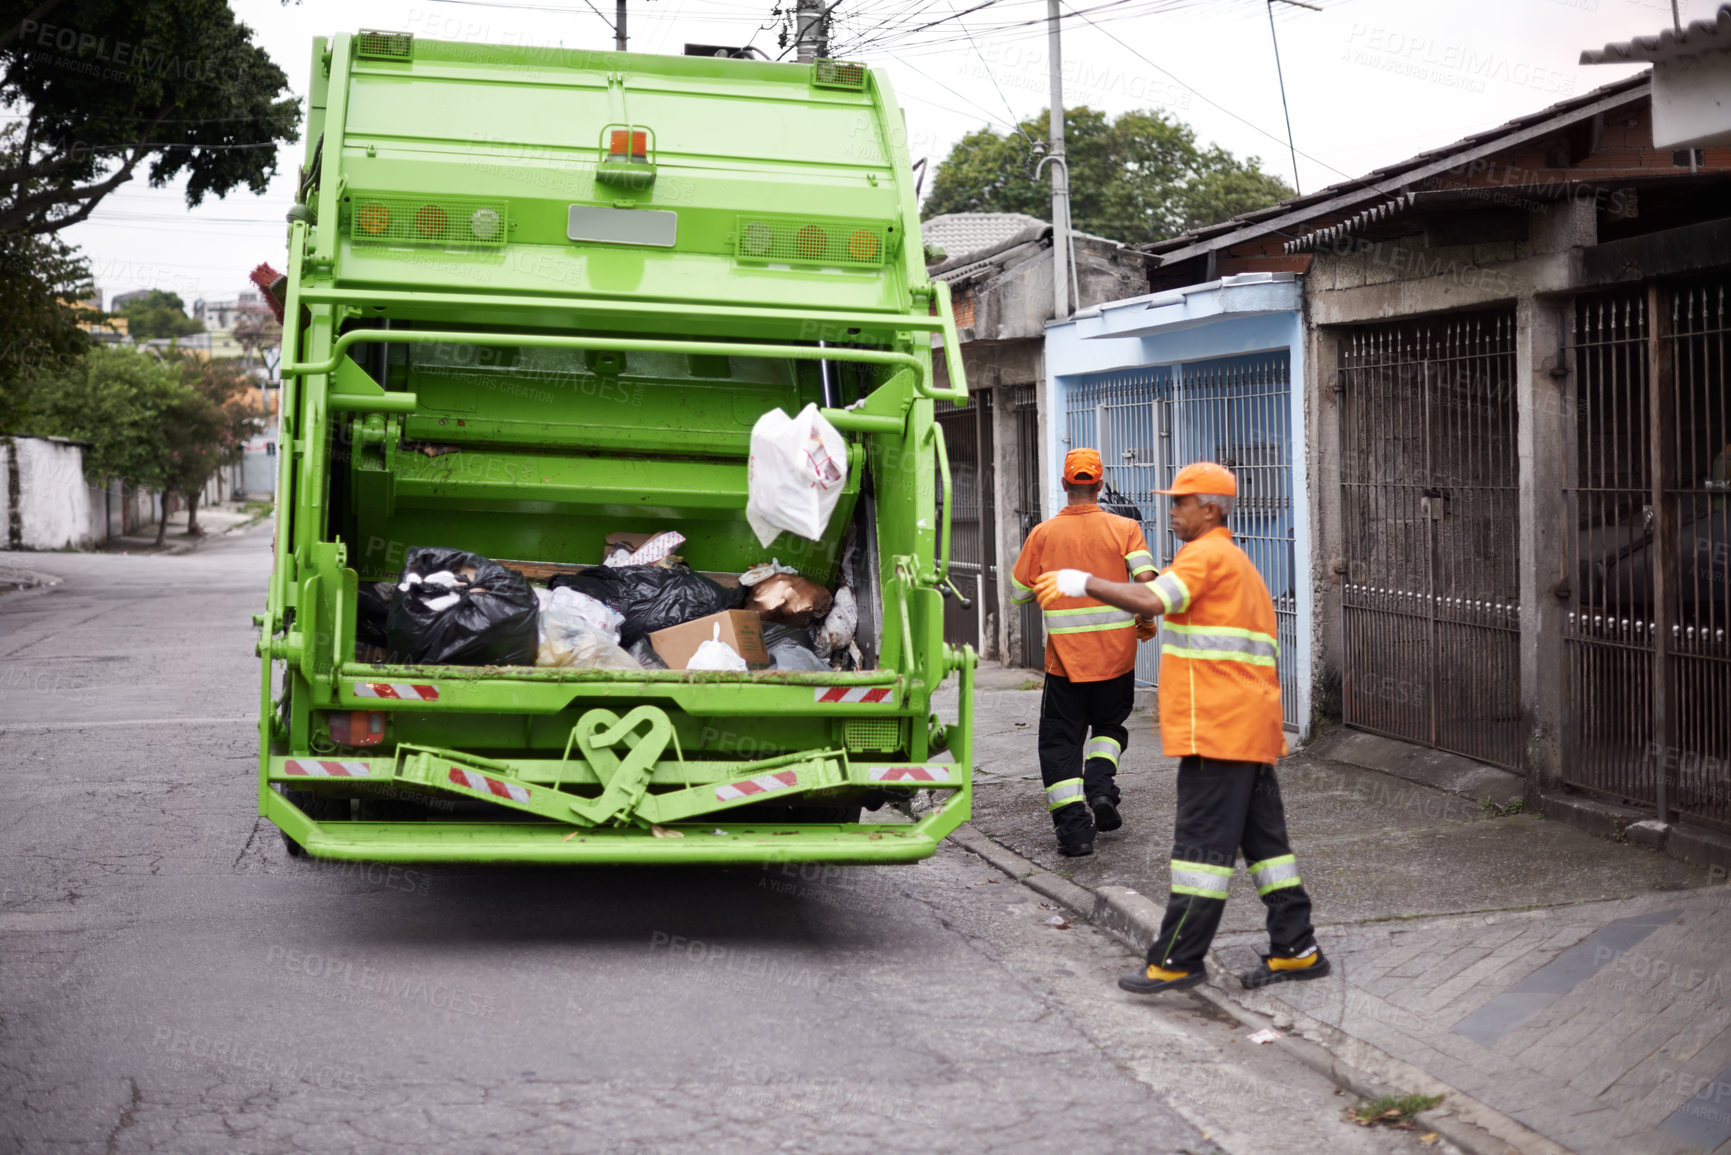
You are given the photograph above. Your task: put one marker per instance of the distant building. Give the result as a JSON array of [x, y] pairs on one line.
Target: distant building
[[999, 270]]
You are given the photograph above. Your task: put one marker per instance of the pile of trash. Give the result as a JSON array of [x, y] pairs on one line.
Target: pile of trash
[[643, 607]]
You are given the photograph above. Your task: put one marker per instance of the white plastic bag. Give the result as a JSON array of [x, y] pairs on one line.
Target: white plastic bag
[[716, 654], [762, 573], [798, 465], [836, 631], [577, 630]]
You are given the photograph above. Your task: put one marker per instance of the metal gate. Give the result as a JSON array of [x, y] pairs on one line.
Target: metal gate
[[1028, 640], [1649, 661], [973, 538], [1431, 523], [1150, 422]]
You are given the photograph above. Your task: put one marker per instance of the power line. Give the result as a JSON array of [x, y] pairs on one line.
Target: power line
[[1215, 104]]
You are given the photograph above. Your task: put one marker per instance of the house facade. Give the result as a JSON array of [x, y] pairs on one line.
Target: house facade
[[1511, 444]]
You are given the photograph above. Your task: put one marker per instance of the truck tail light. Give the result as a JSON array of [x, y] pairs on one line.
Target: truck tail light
[[430, 221], [811, 241], [357, 727], [373, 219]]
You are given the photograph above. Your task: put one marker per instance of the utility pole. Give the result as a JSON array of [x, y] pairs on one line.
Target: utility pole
[[1281, 76], [1060, 174], [619, 26], [811, 30]]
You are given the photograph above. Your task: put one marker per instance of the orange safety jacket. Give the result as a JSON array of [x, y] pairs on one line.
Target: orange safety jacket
[[1219, 687], [1086, 640]]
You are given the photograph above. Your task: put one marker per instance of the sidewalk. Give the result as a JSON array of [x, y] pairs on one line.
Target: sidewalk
[[1570, 985], [215, 520]]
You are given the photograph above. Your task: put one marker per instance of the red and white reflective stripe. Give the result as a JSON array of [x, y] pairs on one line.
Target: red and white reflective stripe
[[488, 785], [326, 768], [908, 773], [766, 784], [864, 694], [404, 691]]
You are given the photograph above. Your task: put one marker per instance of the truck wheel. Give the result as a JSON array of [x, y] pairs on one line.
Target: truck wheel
[[318, 807]]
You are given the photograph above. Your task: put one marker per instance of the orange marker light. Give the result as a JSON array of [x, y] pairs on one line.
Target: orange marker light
[[862, 246], [639, 144], [373, 219]]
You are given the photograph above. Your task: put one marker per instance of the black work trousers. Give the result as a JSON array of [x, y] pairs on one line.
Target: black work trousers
[[1082, 734], [1223, 808]]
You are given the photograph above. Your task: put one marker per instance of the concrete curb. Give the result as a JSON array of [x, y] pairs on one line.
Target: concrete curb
[[16, 580], [1348, 1062]]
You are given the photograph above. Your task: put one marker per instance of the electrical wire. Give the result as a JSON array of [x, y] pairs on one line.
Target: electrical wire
[[1222, 108]]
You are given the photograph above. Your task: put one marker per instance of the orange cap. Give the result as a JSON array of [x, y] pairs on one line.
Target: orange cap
[[1203, 477], [1082, 467]]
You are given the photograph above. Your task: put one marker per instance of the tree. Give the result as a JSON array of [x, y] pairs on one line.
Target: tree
[[1139, 178], [257, 331], [158, 314], [119, 402], [41, 335], [207, 429], [106, 84]]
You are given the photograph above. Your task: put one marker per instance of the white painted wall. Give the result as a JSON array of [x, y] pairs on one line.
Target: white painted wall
[[53, 500], [1692, 101]]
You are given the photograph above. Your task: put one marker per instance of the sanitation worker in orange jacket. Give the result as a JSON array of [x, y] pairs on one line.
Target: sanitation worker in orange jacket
[[1220, 716], [1090, 655]]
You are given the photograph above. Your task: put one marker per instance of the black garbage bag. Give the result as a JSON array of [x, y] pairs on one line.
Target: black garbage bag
[[488, 618], [1114, 502], [374, 606], [652, 597]]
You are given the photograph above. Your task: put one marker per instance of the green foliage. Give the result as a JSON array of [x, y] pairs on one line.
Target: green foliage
[[105, 85], [209, 425], [158, 314], [39, 330], [1136, 179], [121, 403], [1392, 1110]]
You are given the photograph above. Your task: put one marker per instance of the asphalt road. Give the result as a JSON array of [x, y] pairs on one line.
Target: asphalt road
[[170, 980]]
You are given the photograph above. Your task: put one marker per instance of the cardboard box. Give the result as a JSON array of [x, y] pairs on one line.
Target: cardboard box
[[741, 629]]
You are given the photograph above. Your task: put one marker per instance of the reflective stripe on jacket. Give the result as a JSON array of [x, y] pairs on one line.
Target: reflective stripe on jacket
[[1219, 689], [1086, 640]]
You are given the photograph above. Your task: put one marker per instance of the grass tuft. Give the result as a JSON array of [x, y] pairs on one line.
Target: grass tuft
[[1392, 1110]]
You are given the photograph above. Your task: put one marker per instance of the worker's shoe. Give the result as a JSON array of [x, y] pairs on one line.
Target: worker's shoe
[[1276, 969], [1106, 816], [1151, 980], [1076, 849]]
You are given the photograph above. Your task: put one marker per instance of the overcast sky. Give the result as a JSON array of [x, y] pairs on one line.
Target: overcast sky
[[1370, 82]]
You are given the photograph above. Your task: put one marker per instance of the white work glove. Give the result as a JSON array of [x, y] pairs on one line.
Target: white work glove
[[1073, 583], [1060, 583]]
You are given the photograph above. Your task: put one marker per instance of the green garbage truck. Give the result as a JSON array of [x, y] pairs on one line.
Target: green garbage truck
[[537, 298]]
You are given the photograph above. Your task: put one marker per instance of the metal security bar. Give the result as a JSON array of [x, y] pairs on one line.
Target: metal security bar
[[1150, 422], [1431, 523], [1028, 640], [1695, 483], [1608, 633], [973, 568], [1647, 636]]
